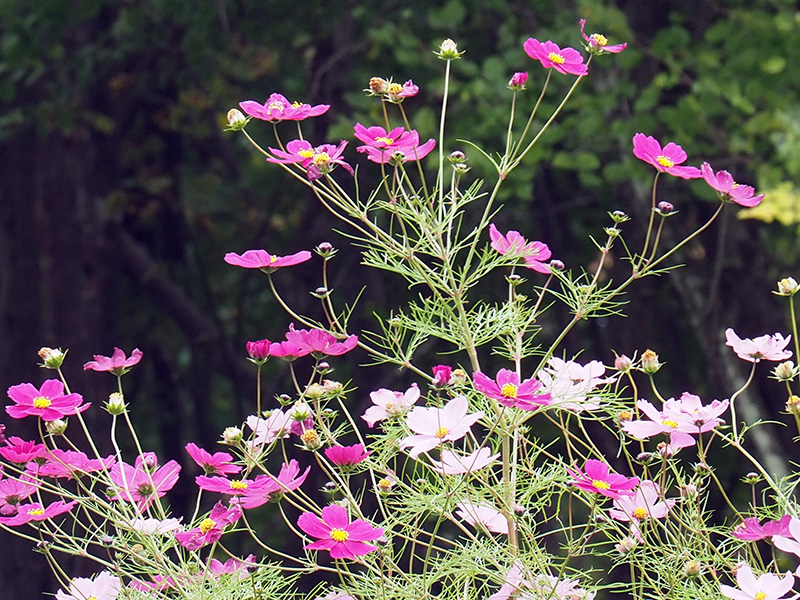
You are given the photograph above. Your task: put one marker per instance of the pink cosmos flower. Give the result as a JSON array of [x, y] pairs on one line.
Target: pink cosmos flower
[[751, 530], [259, 350], [145, 481], [542, 586], [432, 426], [21, 451], [533, 253], [645, 503], [35, 511], [728, 189], [347, 456], [261, 259], [317, 161], [441, 376], [337, 534], [278, 108], [47, 402], [388, 403], [159, 583], [268, 488], [223, 485], [319, 341], [598, 44], [666, 160], [508, 390], [117, 363], [14, 491], [218, 463], [482, 515], [679, 418], [69, 464], [457, 464], [210, 528], [286, 350], [396, 146], [232, 566], [765, 347], [265, 431], [517, 81], [766, 587], [397, 93], [105, 586], [567, 60], [597, 479], [570, 384]]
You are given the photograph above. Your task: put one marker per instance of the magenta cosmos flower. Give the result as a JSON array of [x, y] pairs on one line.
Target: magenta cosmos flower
[[117, 363], [347, 456], [268, 488], [508, 390], [728, 189], [20, 451], [261, 259], [517, 81], [219, 463], [210, 528], [69, 464], [258, 350], [396, 146], [35, 511], [388, 404], [145, 481], [337, 534], [597, 43], [433, 426], [751, 530], [765, 587], [319, 341], [765, 347], [317, 161], [533, 253], [105, 586], [14, 491], [666, 159], [48, 402], [278, 108], [567, 60], [597, 479], [223, 485]]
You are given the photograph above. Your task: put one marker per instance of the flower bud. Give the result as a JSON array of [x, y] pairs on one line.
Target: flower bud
[[325, 250], [622, 363], [258, 351], [787, 287], [557, 265], [650, 363], [517, 81], [459, 377], [664, 208], [612, 232], [236, 120], [457, 156], [311, 440], [332, 387], [321, 292], [665, 450], [52, 358], [314, 391], [232, 436], [330, 487], [378, 86], [702, 468], [619, 217], [785, 371], [751, 478], [56, 427], [302, 411], [688, 491], [386, 484], [116, 404], [461, 168], [625, 545], [692, 568], [624, 416], [520, 510], [793, 405], [441, 376], [448, 50], [644, 457]]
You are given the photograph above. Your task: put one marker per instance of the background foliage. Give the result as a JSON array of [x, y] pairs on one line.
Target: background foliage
[[121, 193]]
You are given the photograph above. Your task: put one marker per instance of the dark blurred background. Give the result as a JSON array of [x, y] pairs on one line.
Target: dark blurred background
[[120, 192]]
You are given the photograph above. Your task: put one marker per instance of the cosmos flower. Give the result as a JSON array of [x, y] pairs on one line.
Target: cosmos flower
[[316, 160], [145, 481], [567, 60], [346, 456], [728, 189], [457, 464], [765, 347], [48, 402], [666, 159], [117, 363], [337, 534], [69, 464], [319, 341], [570, 384], [261, 259], [218, 463], [210, 528], [645, 503], [432, 426], [482, 515], [278, 108], [597, 43], [105, 586], [268, 488], [35, 511], [680, 419], [388, 403], [596, 478], [751, 530], [765, 587], [533, 253], [508, 391]]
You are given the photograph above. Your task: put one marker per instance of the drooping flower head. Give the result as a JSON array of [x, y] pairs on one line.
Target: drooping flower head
[[210, 529], [751, 530], [765, 587], [48, 402], [596, 478], [316, 160], [533, 253], [278, 108], [666, 160], [320, 342], [728, 189], [388, 404], [597, 43], [482, 515], [765, 347], [564, 60], [117, 363], [347, 456], [508, 390], [433, 426], [261, 259], [219, 463], [337, 534], [105, 586]]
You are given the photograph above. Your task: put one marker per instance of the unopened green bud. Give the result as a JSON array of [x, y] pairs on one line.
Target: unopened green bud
[[116, 404]]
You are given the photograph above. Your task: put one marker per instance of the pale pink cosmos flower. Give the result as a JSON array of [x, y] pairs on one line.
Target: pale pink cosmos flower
[[457, 464], [269, 488], [507, 389], [596, 478], [597, 43], [482, 515], [728, 189], [534, 254], [433, 426], [36, 511], [765, 587], [145, 481], [679, 418], [319, 341], [751, 530], [564, 60], [219, 463], [541, 586], [265, 431], [152, 526], [388, 404], [337, 534], [117, 363], [278, 108], [232, 566], [210, 528], [347, 456], [789, 541], [570, 384], [261, 259], [765, 347], [402, 149], [316, 160], [105, 586], [48, 402], [666, 159], [645, 503]]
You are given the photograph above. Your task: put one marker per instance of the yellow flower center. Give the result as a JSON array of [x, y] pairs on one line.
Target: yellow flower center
[[386, 140], [36, 511], [275, 106], [639, 513], [323, 158], [309, 437], [296, 104], [600, 484], [41, 402], [238, 484], [339, 535], [207, 525], [665, 162], [395, 88], [760, 596], [599, 39], [509, 390], [384, 483], [441, 432], [669, 423], [306, 153], [556, 58]]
